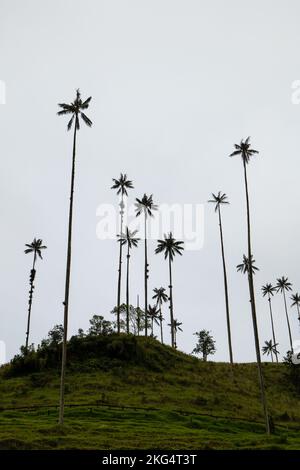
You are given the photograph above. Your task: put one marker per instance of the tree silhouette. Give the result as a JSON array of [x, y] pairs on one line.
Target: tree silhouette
[[153, 313], [176, 327], [268, 290], [270, 348], [205, 344], [146, 207], [121, 185], [160, 296], [127, 238], [246, 152], [296, 301], [36, 248], [76, 110], [218, 200], [170, 247], [283, 285]]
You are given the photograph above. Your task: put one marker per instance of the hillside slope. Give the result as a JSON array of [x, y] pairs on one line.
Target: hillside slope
[[128, 392]]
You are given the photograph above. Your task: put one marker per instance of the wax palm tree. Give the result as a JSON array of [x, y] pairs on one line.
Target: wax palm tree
[[270, 348], [246, 152], [160, 296], [36, 248], [127, 238], [269, 290], [176, 327], [145, 206], [218, 200], [170, 247], [76, 110], [296, 301], [121, 185], [283, 285], [153, 314]]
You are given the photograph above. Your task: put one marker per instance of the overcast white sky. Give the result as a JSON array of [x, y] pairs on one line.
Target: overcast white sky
[[174, 84]]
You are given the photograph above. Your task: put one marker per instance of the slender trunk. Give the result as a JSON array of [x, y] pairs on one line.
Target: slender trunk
[[171, 304], [273, 329], [253, 309], [127, 291], [225, 288], [138, 315], [272, 356], [67, 289], [120, 266], [161, 327], [298, 312], [146, 279], [288, 322], [32, 277]]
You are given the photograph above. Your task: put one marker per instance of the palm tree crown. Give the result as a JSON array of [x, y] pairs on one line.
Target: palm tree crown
[[75, 108], [268, 289], [35, 247], [244, 267], [177, 325], [270, 348], [296, 300], [145, 205], [160, 294], [122, 184], [218, 199], [169, 246], [129, 238], [283, 284], [244, 149]]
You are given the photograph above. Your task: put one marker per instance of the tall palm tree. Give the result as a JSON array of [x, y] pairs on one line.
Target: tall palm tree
[[76, 110], [176, 326], [246, 152], [270, 348], [170, 247], [128, 238], [121, 185], [268, 290], [160, 296], [218, 200], [296, 301], [153, 313], [145, 206], [283, 285], [36, 248]]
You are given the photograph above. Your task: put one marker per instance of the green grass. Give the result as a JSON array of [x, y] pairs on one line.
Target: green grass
[[186, 404]]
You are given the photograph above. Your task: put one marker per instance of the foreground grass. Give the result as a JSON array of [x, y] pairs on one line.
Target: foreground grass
[[182, 392]]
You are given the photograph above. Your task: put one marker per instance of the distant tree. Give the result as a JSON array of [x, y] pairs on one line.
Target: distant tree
[[99, 326], [145, 206], [205, 344], [153, 313], [170, 247], [218, 200], [80, 333], [270, 348], [77, 110], [283, 285], [121, 185], [296, 301], [177, 327], [36, 248], [160, 296], [268, 290]]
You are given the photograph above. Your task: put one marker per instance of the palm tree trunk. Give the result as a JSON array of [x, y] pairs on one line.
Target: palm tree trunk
[[273, 330], [30, 302], [127, 292], [298, 313], [138, 316], [120, 266], [253, 309], [161, 327], [171, 304], [67, 288], [288, 322], [146, 279], [225, 288]]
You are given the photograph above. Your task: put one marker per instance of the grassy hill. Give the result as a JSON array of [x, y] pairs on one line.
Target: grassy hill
[[127, 392]]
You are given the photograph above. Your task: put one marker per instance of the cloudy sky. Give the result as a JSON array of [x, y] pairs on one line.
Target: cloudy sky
[[174, 84]]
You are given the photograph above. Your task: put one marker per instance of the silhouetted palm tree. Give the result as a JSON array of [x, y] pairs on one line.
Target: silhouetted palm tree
[[128, 238], [160, 296], [145, 206], [121, 185], [270, 348], [153, 313], [269, 290], [75, 109], [36, 248], [282, 286], [296, 301], [218, 200], [246, 152], [170, 247], [176, 327]]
